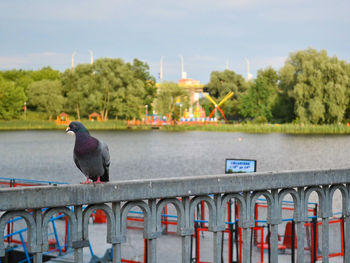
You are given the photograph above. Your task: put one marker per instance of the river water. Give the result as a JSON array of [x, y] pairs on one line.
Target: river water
[[47, 155]]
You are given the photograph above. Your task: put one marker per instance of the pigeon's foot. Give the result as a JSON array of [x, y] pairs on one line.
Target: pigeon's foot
[[86, 182], [98, 181]]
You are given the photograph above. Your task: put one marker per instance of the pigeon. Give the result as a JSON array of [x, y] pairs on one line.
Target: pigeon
[[90, 155]]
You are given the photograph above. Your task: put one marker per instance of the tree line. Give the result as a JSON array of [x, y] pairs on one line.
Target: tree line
[[311, 87]]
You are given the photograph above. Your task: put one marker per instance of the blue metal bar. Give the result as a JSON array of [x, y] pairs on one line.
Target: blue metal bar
[[56, 237], [16, 233], [24, 247], [21, 218], [25, 229], [66, 245], [91, 251], [30, 181]]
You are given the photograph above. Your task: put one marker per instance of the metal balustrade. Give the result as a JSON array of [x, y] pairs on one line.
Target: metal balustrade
[[116, 199]]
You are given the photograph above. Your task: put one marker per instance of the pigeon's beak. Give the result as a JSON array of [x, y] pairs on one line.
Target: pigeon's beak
[[69, 131]]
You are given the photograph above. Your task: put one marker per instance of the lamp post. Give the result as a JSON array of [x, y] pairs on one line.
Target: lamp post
[[180, 111]]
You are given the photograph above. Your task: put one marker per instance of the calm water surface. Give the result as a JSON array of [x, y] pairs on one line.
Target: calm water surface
[[47, 155]]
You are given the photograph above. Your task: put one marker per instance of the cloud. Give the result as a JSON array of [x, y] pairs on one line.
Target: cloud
[[36, 60]]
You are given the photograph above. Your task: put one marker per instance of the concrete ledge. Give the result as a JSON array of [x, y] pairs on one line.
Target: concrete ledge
[[66, 195]]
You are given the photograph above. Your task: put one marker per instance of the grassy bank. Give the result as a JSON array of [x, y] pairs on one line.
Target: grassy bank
[[122, 125], [51, 125], [266, 128]]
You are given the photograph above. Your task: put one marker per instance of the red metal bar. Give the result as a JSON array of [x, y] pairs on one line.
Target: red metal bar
[[197, 245], [229, 246], [211, 114], [222, 113], [262, 249], [240, 244], [165, 218]]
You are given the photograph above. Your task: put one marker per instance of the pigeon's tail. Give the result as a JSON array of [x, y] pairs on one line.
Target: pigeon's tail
[[105, 176]]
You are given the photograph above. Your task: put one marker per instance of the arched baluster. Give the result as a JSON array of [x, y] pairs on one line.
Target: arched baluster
[[297, 216], [324, 213], [211, 209], [149, 232], [273, 218], [345, 214], [212, 223], [73, 226], [179, 211], [111, 228], [244, 219], [32, 227]]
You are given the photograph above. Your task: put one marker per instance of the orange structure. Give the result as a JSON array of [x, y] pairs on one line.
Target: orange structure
[[194, 88], [95, 116], [63, 119]]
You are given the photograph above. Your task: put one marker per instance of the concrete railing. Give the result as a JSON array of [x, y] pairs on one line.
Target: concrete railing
[[116, 199]]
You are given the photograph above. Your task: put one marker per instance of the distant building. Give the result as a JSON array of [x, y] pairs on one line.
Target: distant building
[[194, 87]]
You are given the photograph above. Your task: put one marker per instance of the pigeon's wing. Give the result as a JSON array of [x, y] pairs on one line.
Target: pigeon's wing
[[106, 161], [76, 161]]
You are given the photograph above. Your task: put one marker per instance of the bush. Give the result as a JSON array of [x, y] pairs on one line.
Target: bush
[[259, 120]]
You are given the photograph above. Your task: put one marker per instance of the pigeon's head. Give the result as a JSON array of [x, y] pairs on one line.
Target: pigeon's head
[[75, 127]]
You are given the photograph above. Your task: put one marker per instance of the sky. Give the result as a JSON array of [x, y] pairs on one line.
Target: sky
[[210, 35]]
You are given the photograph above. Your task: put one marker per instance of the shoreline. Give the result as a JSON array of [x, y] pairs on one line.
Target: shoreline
[[113, 125]]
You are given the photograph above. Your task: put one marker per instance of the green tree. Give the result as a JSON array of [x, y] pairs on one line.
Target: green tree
[[46, 96], [316, 86], [261, 95], [170, 95], [114, 88], [122, 89], [12, 99], [110, 87], [222, 83], [77, 87], [19, 77], [141, 71], [46, 73]]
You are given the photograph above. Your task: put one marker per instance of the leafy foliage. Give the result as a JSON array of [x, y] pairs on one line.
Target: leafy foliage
[[110, 87], [12, 99], [46, 96], [261, 95], [222, 83], [169, 98], [310, 88], [316, 85]]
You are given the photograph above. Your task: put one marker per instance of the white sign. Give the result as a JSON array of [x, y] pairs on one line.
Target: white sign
[[240, 166]]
